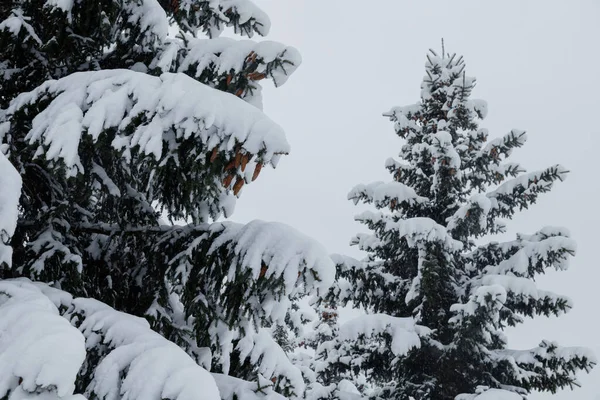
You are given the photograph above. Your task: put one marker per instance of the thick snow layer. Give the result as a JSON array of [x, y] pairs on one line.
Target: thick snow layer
[[245, 11], [151, 19], [17, 21], [382, 193], [136, 354], [404, 332], [45, 350], [365, 241], [270, 359], [91, 102], [523, 287], [286, 252], [424, 229], [10, 192], [345, 262], [227, 56], [39, 350], [477, 202], [536, 251], [20, 394], [480, 106]]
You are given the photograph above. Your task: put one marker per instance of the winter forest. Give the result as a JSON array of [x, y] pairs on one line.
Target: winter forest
[[271, 200]]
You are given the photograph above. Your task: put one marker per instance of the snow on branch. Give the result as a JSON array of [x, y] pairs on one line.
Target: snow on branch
[[229, 61], [45, 351], [147, 15], [10, 192], [403, 332], [524, 297], [384, 194], [235, 277], [40, 352], [212, 16], [488, 299], [135, 352], [502, 146], [472, 217], [17, 22], [171, 108], [424, 229], [271, 360], [523, 190], [549, 364], [285, 252], [535, 255]]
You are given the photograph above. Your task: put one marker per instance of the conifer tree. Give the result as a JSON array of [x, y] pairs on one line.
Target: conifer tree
[[431, 261], [107, 123]]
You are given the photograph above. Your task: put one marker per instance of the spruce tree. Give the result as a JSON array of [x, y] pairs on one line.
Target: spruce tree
[[108, 125], [434, 278]]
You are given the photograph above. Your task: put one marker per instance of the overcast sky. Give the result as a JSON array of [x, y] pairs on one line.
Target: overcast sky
[[537, 66]]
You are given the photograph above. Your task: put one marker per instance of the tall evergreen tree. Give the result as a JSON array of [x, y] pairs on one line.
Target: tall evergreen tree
[[430, 259], [107, 123]]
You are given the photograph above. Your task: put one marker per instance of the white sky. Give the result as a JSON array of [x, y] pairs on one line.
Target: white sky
[[537, 67]]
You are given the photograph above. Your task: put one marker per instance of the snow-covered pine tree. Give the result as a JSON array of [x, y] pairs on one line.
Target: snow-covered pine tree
[[107, 123], [429, 258]]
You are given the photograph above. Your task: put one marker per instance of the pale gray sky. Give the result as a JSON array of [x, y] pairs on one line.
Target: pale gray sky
[[536, 63]]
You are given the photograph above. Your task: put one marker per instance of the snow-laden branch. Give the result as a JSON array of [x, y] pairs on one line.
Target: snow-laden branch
[[226, 56], [212, 16], [39, 350], [122, 351], [424, 229], [382, 194], [284, 251], [149, 114], [271, 360], [10, 192], [404, 333]]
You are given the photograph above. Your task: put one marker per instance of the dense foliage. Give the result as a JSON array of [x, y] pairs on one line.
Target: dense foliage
[[116, 117]]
